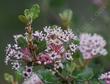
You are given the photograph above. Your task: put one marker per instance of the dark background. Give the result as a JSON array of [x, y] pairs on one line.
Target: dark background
[[87, 17]]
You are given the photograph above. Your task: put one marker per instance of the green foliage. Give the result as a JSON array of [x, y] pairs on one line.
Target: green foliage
[[18, 76], [48, 77], [68, 68], [41, 46], [35, 10], [85, 74], [66, 17], [22, 42], [73, 68], [30, 14], [95, 81], [23, 19], [76, 42], [8, 77]]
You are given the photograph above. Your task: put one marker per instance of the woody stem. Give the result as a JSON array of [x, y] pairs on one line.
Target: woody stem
[[29, 30]]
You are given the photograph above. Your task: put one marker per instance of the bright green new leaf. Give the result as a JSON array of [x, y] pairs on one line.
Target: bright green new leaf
[[66, 15], [27, 14], [23, 19], [35, 10], [8, 77], [30, 14]]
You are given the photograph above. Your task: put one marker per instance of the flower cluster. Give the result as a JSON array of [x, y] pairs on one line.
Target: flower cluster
[[61, 45], [13, 55], [105, 77], [92, 45], [57, 50]]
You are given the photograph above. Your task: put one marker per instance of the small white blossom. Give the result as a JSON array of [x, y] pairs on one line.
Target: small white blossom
[[27, 73], [15, 65], [68, 56], [39, 35], [58, 64], [105, 77], [34, 79], [13, 52], [54, 55], [73, 47]]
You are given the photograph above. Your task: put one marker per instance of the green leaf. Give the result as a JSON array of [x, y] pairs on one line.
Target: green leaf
[[23, 19], [86, 74], [35, 10], [41, 45], [22, 42], [95, 81], [8, 77], [18, 76], [66, 15], [69, 67], [48, 77], [30, 14], [76, 42]]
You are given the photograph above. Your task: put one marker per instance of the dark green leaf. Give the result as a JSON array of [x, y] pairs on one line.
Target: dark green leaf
[[48, 77], [86, 74], [41, 45], [69, 68], [76, 42], [22, 42]]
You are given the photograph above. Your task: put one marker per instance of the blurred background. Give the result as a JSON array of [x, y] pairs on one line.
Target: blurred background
[[88, 16]]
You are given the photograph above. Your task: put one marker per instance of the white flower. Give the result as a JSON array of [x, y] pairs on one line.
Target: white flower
[[15, 65], [34, 79], [103, 52], [19, 55], [55, 41], [54, 55], [27, 73], [105, 77], [68, 56], [39, 35], [58, 65], [73, 47], [57, 32], [13, 56]]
